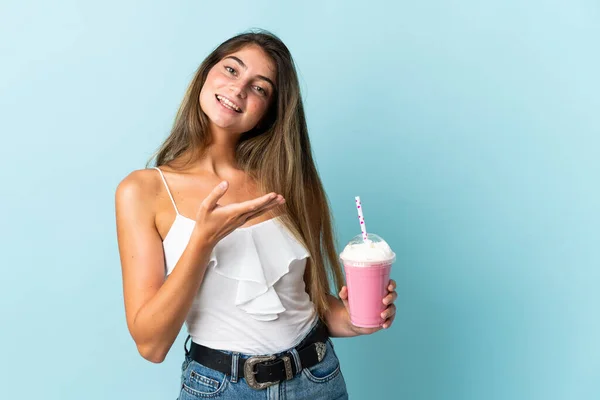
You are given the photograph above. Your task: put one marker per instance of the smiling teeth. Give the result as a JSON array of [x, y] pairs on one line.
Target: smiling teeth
[[229, 103]]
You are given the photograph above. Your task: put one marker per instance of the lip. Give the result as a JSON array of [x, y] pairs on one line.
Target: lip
[[238, 106]]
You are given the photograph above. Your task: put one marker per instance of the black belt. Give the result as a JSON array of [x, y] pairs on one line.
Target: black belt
[[263, 371]]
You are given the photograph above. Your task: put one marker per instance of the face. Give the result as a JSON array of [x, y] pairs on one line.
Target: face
[[238, 90]]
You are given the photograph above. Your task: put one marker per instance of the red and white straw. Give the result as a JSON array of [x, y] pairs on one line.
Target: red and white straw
[[361, 219]]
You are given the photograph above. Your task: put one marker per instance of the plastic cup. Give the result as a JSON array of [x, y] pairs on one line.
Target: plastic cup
[[367, 266]]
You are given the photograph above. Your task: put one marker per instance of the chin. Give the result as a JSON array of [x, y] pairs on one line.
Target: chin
[[223, 124]]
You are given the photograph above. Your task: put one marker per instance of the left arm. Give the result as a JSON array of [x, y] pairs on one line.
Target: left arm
[[337, 318]]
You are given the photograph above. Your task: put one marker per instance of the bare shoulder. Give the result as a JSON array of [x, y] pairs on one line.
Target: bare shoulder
[[137, 187], [136, 193], [137, 182]]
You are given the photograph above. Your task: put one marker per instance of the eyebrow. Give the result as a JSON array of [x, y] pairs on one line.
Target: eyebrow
[[262, 77]]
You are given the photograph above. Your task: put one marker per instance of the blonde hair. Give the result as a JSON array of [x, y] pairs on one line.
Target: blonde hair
[[277, 154]]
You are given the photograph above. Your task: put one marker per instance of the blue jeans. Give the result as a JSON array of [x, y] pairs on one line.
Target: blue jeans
[[322, 381]]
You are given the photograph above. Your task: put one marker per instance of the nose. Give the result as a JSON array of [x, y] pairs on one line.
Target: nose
[[238, 90]]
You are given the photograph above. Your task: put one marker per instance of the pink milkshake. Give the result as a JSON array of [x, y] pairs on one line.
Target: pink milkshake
[[367, 261]]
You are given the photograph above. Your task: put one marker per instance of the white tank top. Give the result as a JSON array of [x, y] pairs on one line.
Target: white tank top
[[253, 298]]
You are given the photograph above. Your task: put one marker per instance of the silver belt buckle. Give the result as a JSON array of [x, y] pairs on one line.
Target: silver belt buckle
[[249, 372]]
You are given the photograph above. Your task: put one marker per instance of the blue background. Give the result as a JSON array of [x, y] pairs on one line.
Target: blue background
[[469, 129]]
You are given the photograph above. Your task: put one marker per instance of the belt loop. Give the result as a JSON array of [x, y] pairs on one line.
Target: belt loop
[[296, 357], [187, 352], [234, 367]]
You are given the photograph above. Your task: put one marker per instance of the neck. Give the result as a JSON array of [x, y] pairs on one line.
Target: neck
[[219, 156]]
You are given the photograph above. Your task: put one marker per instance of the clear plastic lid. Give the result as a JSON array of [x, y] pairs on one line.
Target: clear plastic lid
[[361, 253]]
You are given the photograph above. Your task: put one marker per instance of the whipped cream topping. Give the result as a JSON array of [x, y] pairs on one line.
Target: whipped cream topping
[[369, 252]]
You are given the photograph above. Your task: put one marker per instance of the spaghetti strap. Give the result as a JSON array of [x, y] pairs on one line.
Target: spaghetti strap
[[168, 191]]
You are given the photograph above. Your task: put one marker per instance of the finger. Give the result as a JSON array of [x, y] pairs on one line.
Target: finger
[[277, 201], [344, 296], [389, 322], [210, 202], [389, 312], [252, 205], [392, 285], [242, 219], [390, 298]]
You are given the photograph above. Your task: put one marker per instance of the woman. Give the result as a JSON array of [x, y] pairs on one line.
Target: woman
[[231, 233]]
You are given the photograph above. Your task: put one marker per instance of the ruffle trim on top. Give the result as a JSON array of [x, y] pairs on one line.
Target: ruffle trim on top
[[257, 257]]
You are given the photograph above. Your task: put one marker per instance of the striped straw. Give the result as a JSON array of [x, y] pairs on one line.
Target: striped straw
[[361, 219]]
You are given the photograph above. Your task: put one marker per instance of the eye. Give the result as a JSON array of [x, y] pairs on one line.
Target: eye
[[230, 70], [260, 90]]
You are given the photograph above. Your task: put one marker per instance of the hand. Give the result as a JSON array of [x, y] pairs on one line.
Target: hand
[[388, 314], [214, 221]]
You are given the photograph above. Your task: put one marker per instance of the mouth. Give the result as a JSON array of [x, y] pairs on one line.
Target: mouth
[[227, 103]]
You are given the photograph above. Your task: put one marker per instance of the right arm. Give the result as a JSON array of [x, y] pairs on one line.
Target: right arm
[[156, 307]]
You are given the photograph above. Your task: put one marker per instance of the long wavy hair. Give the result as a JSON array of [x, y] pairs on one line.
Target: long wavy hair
[[277, 154]]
